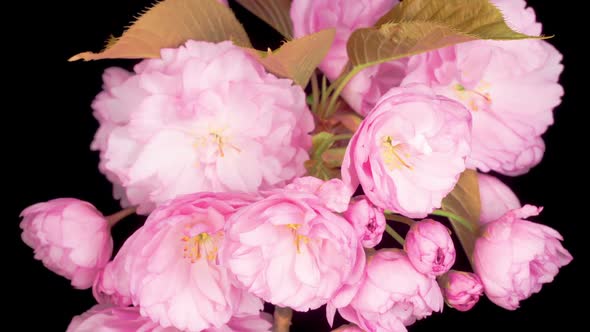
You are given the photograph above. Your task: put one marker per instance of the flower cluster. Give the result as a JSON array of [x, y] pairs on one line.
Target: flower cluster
[[258, 193]]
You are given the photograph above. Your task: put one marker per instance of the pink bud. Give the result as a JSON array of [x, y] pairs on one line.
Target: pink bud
[[461, 289], [367, 219], [430, 247], [70, 236]]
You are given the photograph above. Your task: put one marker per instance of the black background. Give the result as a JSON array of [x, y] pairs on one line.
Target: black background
[[49, 128]]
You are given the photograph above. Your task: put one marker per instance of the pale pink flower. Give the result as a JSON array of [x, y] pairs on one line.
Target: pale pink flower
[[291, 251], [106, 288], [334, 193], [430, 248], [184, 122], [409, 151], [112, 108], [71, 237], [170, 267], [510, 87], [108, 318], [515, 257], [248, 317], [367, 219], [496, 198], [392, 294], [348, 328], [461, 290], [259, 322], [310, 16]]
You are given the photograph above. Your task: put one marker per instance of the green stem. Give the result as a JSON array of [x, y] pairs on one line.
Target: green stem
[[315, 93], [341, 84], [282, 319], [399, 218], [323, 96], [455, 217], [116, 217], [395, 235]]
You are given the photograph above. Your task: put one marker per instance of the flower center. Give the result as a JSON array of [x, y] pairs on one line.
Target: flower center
[[439, 260], [475, 99], [201, 245], [393, 155], [298, 237], [218, 140]]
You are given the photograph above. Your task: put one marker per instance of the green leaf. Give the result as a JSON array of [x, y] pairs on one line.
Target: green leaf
[[275, 13], [464, 201], [169, 24], [333, 157], [316, 166], [417, 26], [321, 142], [319, 170], [298, 59]]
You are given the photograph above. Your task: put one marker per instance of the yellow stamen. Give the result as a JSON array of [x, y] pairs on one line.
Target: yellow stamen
[[199, 245], [462, 94], [390, 154], [298, 237]]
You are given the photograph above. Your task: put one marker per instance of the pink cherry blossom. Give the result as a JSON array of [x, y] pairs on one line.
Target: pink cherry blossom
[[71, 237], [348, 328], [496, 198], [368, 221], [181, 123], [409, 151], [430, 248], [334, 193], [291, 251], [461, 290], [310, 16], [170, 267], [392, 294], [108, 318], [510, 87], [260, 322], [515, 257], [248, 317], [106, 288]]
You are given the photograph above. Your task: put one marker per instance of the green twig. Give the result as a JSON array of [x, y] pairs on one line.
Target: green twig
[[399, 218], [341, 84], [455, 217], [395, 235]]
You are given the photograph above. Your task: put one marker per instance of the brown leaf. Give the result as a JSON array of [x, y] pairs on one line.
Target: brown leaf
[[393, 41], [464, 201], [275, 13], [479, 18], [417, 26], [169, 24], [298, 59]]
